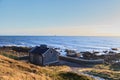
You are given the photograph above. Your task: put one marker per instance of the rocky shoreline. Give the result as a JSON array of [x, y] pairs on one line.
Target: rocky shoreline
[[112, 55]]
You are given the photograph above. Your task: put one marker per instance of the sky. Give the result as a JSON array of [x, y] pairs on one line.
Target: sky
[[60, 17]]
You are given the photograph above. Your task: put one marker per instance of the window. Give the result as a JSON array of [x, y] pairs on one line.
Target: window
[[51, 52]]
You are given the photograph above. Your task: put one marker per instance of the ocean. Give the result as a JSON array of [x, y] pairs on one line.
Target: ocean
[[79, 43]]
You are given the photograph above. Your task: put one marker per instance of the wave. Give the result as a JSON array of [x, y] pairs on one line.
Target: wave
[[76, 43]]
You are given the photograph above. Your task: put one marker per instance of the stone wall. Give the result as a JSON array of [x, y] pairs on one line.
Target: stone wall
[[81, 61]]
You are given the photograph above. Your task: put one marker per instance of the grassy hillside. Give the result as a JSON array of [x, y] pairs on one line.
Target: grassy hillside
[[110, 72], [15, 70]]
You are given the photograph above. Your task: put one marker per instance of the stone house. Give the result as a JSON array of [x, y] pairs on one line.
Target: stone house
[[42, 55]]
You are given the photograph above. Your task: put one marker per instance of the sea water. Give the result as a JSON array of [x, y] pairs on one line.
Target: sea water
[[79, 43]]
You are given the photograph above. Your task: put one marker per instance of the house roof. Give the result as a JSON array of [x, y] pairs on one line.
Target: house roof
[[39, 50]]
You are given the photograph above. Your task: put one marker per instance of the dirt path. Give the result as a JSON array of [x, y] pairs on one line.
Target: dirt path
[[80, 71], [80, 68]]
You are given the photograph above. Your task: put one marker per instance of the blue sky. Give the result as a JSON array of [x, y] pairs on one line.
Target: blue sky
[[60, 17]]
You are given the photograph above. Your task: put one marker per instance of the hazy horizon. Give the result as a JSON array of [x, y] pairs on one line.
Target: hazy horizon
[[60, 18], [61, 35]]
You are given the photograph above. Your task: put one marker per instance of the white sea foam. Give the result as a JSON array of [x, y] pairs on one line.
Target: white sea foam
[[74, 43]]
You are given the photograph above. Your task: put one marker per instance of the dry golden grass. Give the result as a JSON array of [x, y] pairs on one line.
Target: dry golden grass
[[106, 74], [16, 70], [11, 69], [103, 71]]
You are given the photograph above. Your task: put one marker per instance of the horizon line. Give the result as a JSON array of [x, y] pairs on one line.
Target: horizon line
[[65, 35]]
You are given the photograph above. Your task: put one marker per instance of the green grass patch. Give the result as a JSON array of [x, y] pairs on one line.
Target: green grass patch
[[10, 56], [73, 76], [115, 67], [109, 75]]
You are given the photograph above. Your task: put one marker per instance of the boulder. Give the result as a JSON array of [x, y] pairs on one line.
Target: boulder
[[105, 51], [86, 52], [87, 55], [112, 52], [71, 54], [95, 52], [116, 49], [70, 51]]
